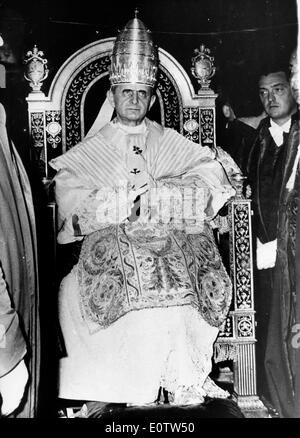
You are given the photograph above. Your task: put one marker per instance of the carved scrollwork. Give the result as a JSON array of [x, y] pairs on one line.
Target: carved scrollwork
[[171, 103], [245, 326], [243, 256], [37, 129], [38, 152], [191, 124], [207, 127], [227, 329], [74, 97], [53, 128]]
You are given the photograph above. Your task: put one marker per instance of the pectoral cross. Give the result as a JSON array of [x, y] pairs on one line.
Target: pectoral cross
[[135, 171], [137, 150]]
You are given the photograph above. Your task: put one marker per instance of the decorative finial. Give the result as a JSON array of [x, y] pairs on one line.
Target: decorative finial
[[136, 11], [237, 180], [36, 68], [203, 68]]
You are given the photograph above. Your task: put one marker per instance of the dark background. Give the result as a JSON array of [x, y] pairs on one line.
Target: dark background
[[242, 35]]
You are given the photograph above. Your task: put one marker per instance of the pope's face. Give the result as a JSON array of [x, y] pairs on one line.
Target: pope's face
[[131, 102], [276, 96]]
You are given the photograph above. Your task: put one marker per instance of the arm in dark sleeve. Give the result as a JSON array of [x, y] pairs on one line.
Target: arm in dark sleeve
[[246, 139], [239, 140]]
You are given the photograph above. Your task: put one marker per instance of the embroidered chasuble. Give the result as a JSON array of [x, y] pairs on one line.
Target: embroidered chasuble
[[131, 266]]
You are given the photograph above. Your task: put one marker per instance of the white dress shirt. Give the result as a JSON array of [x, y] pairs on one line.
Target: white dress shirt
[[277, 131]]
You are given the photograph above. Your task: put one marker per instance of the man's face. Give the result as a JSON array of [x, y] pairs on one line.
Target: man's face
[[294, 79], [276, 97], [131, 102]]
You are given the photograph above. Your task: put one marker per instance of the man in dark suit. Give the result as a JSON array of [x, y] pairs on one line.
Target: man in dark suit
[[235, 134], [265, 170], [282, 358]]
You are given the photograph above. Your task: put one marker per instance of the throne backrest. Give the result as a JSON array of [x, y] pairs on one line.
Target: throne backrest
[[59, 121]]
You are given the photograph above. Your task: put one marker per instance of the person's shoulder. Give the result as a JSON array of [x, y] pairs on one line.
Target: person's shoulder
[[169, 133], [261, 133], [87, 143], [243, 127], [295, 117], [253, 121], [155, 127], [78, 152], [295, 128], [165, 130], [264, 123]]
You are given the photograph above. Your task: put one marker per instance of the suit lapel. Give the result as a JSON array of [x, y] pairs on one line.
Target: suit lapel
[[264, 142], [290, 154]]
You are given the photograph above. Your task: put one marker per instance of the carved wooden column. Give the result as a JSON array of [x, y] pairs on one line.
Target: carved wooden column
[[243, 313]]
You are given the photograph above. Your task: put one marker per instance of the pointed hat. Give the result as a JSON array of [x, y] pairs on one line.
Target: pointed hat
[[134, 58]]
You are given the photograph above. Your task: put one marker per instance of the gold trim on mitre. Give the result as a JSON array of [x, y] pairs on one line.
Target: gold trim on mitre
[[134, 59]]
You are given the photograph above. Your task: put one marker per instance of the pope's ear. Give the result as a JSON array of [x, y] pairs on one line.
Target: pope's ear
[[110, 97], [152, 100]]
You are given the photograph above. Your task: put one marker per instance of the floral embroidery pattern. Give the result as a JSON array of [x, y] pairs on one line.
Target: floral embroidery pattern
[[132, 267]]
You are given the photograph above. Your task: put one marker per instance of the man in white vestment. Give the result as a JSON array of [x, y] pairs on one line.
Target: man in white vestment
[[144, 304]]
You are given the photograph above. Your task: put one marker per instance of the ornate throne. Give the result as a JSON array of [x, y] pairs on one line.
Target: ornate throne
[[60, 120]]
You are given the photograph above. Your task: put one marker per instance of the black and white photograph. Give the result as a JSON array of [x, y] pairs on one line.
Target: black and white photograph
[[149, 224]]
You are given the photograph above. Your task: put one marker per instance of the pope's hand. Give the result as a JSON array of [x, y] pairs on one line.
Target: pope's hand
[[12, 387]]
